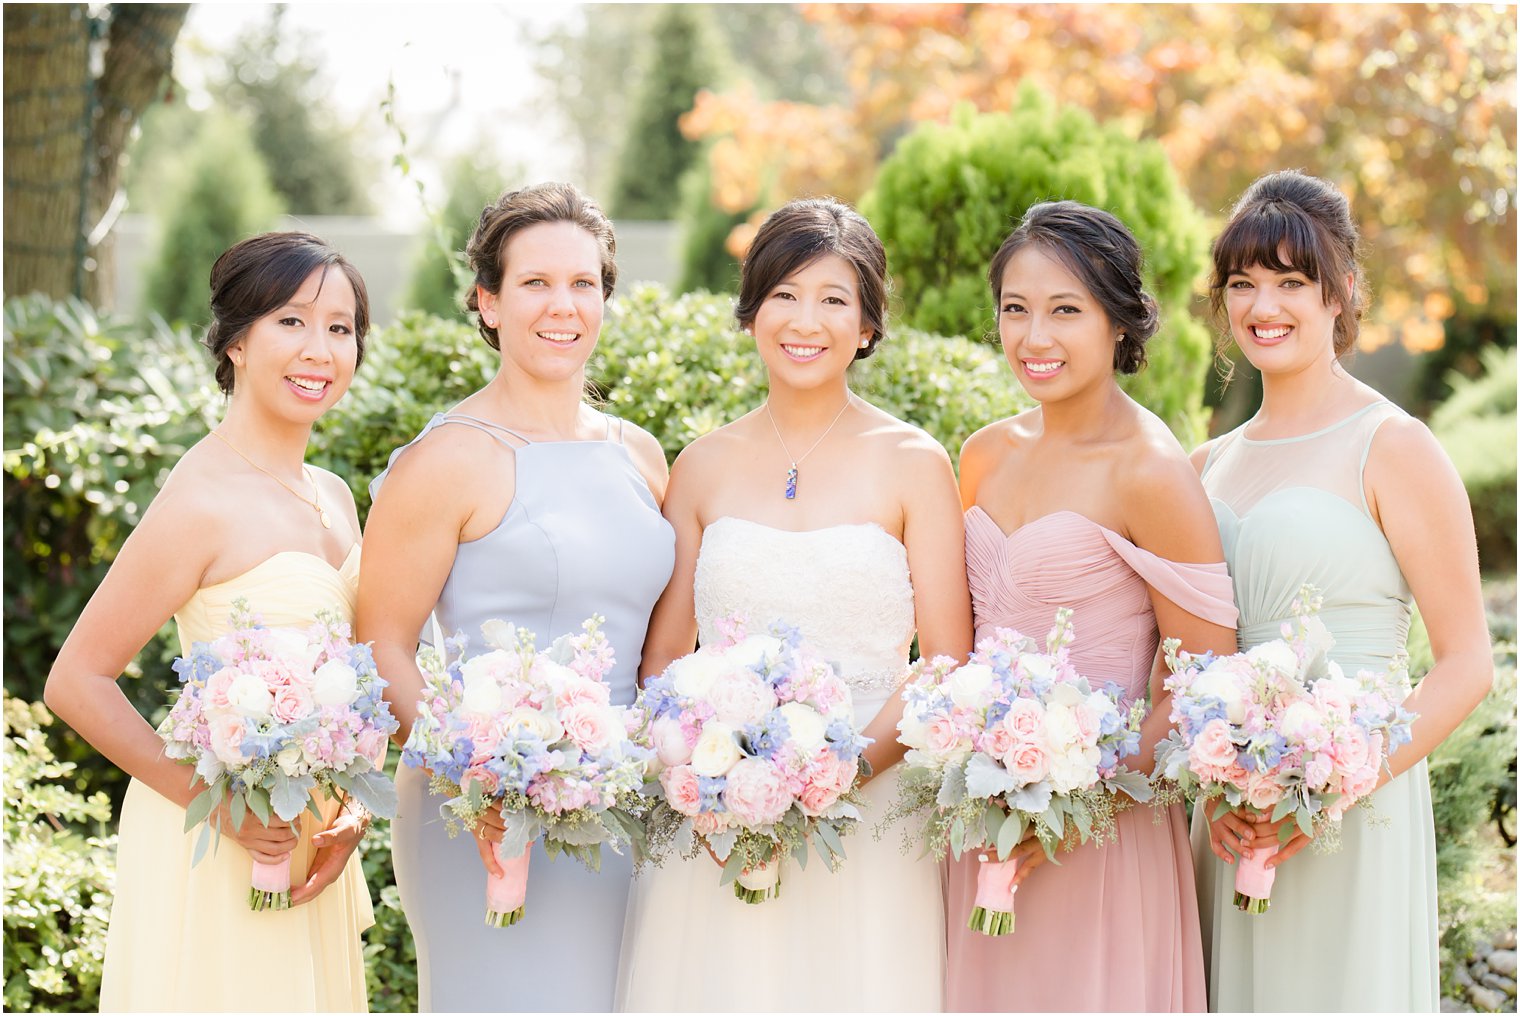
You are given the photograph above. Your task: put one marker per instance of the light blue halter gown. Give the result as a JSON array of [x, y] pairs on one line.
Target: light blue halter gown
[[1353, 930], [582, 536]]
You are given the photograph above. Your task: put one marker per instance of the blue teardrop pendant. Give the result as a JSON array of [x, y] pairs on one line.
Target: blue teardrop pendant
[[791, 483]]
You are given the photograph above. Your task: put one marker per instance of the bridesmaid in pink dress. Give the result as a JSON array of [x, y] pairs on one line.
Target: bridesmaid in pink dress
[[1088, 502]]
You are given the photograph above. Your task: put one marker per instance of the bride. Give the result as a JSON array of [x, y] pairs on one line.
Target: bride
[[815, 509]]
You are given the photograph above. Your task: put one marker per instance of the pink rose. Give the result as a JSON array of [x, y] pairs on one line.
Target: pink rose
[[709, 822], [479, 774], [942, 735], [1360, 783], [1025, 718], [756, 795], [216, 689], [590, 726], [226, 732], [583, 692], [293, 702], [816, 798], [1027, 762], [371, 744], [670, 740], [1334, 696], [681, 789], [1263, 793], [1350, 748], [996, 740], [1213, 746]]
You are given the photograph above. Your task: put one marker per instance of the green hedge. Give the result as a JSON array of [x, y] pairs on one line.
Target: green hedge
[[1476, 426], [949, 193]]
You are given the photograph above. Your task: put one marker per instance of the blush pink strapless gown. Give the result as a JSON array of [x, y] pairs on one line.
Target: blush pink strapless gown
[[1113, 927]]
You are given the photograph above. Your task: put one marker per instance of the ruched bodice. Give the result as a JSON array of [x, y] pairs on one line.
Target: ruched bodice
[[1293, 511], [285, 589], [181, 936], [1126, 908], [1065, 559], [846, 588]]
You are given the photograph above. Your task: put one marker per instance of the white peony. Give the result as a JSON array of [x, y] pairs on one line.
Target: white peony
[[1220, 681], [1061, 730], [250, 696], [335, 684], [971, 686], [716, 750], [1074, 768], [293, 647], [806, 725], [1275, 655], [499, 634], [289, 760], [482, 695], [752, 651], [694, 674]]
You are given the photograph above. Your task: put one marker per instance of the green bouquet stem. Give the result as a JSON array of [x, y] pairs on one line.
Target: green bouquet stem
[[504, 919], [990, 922], [1251, 904], [260, 899], [753, 896]]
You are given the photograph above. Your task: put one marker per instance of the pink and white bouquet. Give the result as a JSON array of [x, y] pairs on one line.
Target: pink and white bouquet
[[534, 733], [269, 716], [1283, 731], [756, 755], [1012, 742]]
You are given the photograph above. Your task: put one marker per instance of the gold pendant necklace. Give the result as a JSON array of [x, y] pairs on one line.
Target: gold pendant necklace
[[315, 504], [791, 473]]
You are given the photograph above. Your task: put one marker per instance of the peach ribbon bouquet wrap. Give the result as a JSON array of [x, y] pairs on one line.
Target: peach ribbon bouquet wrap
[[1281, 730], [270, 717], [534, 733], [1012, 744]]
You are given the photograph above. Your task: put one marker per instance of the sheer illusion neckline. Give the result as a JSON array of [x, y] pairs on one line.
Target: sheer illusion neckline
[[336, 569], [1337, 425]]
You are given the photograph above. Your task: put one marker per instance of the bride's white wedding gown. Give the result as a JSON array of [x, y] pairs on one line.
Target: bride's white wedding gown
[[869, 937]]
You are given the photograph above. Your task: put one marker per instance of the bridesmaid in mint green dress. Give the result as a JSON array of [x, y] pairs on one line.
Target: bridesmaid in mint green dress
[[1333, 485]]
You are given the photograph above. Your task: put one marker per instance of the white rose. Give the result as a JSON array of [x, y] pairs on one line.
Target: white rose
[[971, 685], [482, 695], [716, 751], [1061, 730], [1038, 666], [536, 724], [1220, 681], [335, 684], [694, 674], [290, 760], [806, 725], [1275, 655], [913, 731], [499, 634], [250, 696]]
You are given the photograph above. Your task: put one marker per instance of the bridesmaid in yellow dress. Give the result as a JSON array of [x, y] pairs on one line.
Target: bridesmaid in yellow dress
[[240, 515]]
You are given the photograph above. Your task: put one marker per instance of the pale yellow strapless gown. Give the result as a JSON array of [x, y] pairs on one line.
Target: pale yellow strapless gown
[[182, 938]]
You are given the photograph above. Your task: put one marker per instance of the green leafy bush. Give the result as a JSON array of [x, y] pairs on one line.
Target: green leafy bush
[[58, 881], [949, 193], [1476, 426]]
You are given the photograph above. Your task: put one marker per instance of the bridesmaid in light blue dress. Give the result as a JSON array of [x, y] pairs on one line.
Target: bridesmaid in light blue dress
[[1332, 485], [524, 504]]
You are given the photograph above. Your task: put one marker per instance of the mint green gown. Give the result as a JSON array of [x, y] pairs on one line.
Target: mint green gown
[[1353, 930]]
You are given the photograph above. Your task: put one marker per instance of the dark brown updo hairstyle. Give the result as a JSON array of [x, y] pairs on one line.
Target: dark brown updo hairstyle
[[1100, 251], [516, 210], [261, 274], [799, 233], [1290, 221]]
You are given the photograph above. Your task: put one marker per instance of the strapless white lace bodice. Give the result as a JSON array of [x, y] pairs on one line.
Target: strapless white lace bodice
[[846, 588]]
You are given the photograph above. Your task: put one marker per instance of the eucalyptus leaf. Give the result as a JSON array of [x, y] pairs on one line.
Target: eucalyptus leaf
[[201, 806], [201, 842], [1009, 835], [732, 867], [239, 810], [957, 837]]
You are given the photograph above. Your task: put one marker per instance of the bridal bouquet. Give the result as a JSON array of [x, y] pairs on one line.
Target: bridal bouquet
[[269, 715], [1282, 730], [532, 732], [756, 754], [1014, 741]]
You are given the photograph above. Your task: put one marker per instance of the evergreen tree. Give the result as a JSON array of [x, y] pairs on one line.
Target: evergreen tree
[[680, 59], [437, 285], [227, 198], [705, 260]]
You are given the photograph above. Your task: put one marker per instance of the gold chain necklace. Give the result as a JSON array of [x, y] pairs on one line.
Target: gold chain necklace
[[315, 504], [791, 473]]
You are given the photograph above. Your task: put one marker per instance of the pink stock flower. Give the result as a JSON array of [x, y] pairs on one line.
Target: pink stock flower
[[1318, 769], [1213, 746], [681, 789], [756, 794]]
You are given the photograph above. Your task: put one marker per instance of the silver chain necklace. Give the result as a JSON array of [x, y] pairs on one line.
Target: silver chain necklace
[[791, 473]]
